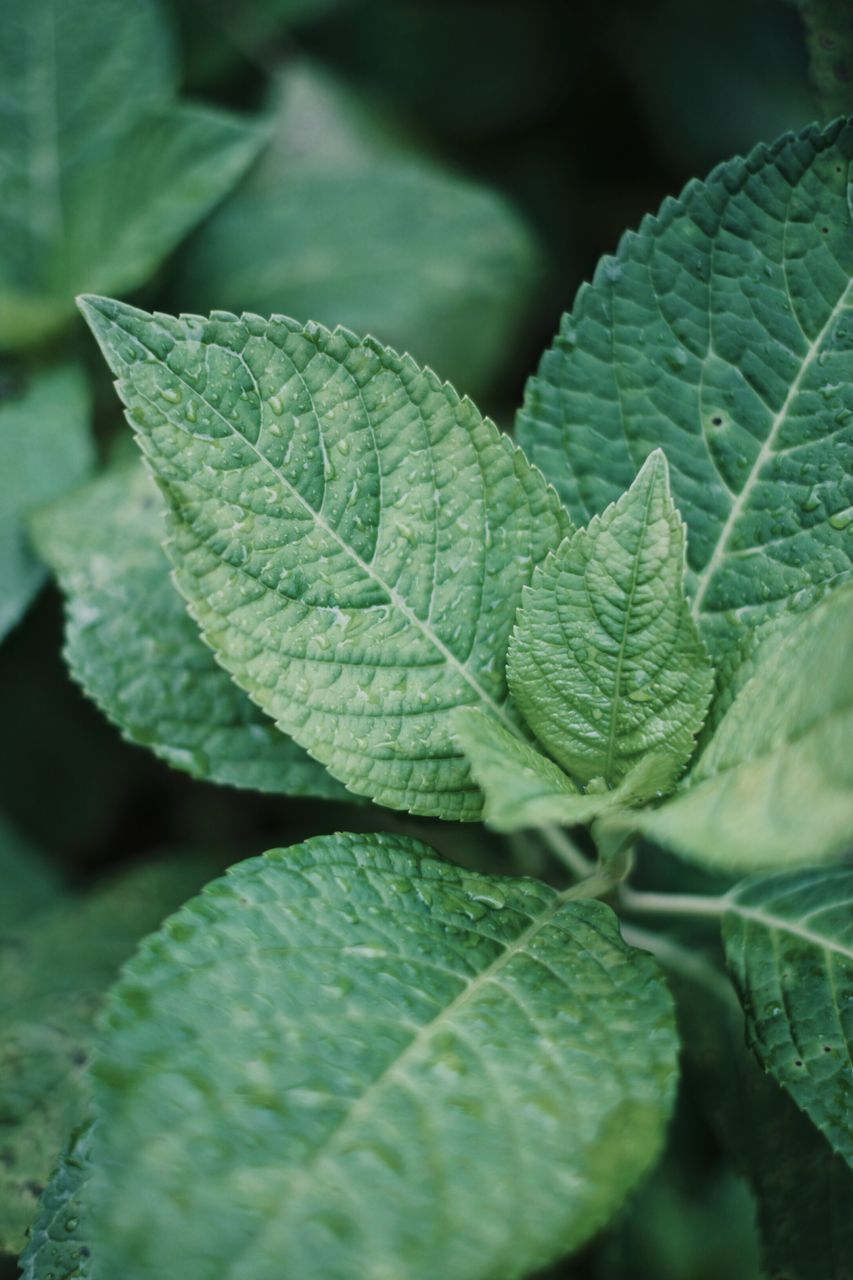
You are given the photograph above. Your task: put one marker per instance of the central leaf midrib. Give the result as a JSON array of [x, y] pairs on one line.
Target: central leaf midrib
[[706, 575], [394, 598], [779, 924]]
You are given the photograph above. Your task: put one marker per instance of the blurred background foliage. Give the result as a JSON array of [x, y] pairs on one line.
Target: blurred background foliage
[[443, 174]]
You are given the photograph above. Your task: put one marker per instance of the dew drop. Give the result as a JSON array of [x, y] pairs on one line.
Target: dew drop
[[171, 394], [276, 406]]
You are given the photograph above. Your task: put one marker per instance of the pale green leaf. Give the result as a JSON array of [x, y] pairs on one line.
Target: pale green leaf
[[58, 1246], [351, 536], [29, 882], [348, 1058], [789, 946], [605, 662], [340, 227], [136, 652], [774, 785], [45, 448], [723, 331], [803, 1190], [102, 172], [54, 969], [523, 788]]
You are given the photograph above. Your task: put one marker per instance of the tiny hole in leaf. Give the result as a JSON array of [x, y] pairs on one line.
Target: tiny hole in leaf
[[717, 420]]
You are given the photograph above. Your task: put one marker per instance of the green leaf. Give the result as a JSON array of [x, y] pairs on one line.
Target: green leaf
[[102, 173], [58, 1244], [774, 786], [341, 227], [136, 652], [319, 1067], [723, 331], [803, 1190], [54, 970], [29, 882], [45, 448], [605, 662], [789, 946], [829, 31], [523, 788], [351, 536]]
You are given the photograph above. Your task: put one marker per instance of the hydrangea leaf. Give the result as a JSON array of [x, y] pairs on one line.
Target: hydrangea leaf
[[723, 331], [424, 259], [58, 1245], [54, 970], [351, 536], [605, 662], [29, 882], [774, 785], [523, 788], [803, 1190], [789, 946], [389, 1029], [136, 652], [45, 448], [103, 173]]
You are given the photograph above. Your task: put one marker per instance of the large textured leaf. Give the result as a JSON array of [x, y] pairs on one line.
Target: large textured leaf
[[134, 649], [54, 970], [341, 228], [319, 1066], [774, 786], [803, 1189], [723, 331], [45, 448], [605, 662], [29, 883], [523, 788], [351, 536], [789, 946], [101, 173]]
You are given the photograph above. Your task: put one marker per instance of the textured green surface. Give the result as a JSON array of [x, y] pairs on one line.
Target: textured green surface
[[523, 788], [102, 174], [29, 883], [774, 785], [803, 1190], [45, 448], [339, 227], [318, 1066], [829, 28], [605, 662], [53, 972], [351, 536], [58, 1246], [789, 946], [134, 649], [723, 331]]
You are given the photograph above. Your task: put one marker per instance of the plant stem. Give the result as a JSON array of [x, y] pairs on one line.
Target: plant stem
[[690, 964], [567, 852], [678, 904]]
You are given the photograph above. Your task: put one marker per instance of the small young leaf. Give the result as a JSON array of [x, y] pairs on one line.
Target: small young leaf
[[54, 969], [721, 331], [351, 536], [102, 172], [523, 788], [348, 1058], [136, 652], [356, 231], [45, 448], [774, 786], [789, 946], [605, 662]]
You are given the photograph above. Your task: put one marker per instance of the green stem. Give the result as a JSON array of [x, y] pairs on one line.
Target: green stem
[[567, 852], [677, 904], [672, 955]]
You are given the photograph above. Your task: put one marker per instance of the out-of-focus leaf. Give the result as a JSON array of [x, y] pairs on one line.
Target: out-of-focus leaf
[[45, 448], [829, 29], [27, 882]]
